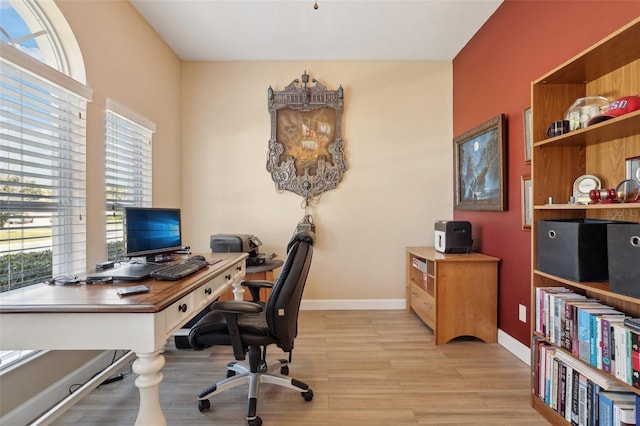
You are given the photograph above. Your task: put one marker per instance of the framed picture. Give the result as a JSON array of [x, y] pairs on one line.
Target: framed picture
[[633, 168], [527, 206], [527, 135], [306, 150], [480, 167]]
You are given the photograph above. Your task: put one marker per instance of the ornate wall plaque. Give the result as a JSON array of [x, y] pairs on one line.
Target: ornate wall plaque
[[306, 151]]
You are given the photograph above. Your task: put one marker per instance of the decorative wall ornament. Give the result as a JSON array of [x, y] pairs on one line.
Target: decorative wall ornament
[[306, 150]]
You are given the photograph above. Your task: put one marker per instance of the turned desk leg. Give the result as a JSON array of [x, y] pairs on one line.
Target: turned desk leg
[[238, 290], [148, 366]]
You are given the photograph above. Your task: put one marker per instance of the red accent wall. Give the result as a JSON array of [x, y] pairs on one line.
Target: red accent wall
[[492, 75]]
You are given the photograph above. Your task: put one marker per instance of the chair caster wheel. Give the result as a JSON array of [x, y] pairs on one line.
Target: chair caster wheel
[[204, 405], [255, 422], [284, 370], [308, 395]]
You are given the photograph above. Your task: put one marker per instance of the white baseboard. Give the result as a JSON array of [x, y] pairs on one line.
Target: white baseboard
[[515, 347], [352, 304]]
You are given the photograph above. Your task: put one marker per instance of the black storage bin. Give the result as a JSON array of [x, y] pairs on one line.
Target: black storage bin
[[575, 249], [623, 243]]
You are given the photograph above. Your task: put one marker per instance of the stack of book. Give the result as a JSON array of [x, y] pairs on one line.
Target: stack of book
[[575, 336], [581, 395]]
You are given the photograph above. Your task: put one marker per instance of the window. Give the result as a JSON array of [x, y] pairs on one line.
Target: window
[[128, 170], [42, 177], [42, 148]]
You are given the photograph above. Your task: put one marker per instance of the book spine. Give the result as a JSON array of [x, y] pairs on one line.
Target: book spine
[[582, 398], [635, 359], [575, 398], [584, 336], [606, 345], [593, 340]]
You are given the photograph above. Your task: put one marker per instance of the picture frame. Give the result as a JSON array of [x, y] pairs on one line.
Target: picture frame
[[306, 149], [528, 144], [633, 168], [480, 167], [526, 191]]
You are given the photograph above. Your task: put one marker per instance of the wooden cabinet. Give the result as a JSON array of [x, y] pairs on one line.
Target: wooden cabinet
[[610, 68], [454, 294]]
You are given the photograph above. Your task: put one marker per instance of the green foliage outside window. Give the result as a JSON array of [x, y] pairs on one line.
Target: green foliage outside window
[[24, 269]]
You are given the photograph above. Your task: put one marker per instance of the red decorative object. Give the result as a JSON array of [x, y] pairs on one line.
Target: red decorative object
[[603, 196]]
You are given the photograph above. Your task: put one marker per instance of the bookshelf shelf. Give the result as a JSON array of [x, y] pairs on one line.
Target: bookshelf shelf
[[609, 68]]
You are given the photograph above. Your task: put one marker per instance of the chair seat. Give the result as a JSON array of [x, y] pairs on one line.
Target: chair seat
[[212, 330]]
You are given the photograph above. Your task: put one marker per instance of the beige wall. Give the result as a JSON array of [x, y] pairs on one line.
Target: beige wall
[[397, 132], [127, 62]]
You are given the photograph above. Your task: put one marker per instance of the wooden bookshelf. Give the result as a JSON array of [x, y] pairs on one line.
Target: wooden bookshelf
[[609, 68]]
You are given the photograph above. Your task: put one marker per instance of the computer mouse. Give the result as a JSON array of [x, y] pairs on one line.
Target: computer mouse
[[198, 257]]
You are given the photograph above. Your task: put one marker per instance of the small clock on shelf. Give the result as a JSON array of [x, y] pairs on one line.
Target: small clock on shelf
[[582, 186]]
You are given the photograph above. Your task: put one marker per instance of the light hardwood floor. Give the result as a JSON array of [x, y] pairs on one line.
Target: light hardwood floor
[[373, 368]]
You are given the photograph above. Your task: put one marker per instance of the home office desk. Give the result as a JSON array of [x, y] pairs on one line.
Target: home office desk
[[94, 317]]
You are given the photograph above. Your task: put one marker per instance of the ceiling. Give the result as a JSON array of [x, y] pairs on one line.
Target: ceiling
[[243, 30]]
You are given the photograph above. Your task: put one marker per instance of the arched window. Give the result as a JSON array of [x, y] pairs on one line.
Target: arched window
[[43, 101], [41, 31]]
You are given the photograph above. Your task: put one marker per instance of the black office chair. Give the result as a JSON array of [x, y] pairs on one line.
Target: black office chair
[[250, 327]]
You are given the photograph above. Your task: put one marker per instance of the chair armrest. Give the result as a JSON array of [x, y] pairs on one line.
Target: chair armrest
[[231, 309], [236, 307], [258, 283], [255, 286]]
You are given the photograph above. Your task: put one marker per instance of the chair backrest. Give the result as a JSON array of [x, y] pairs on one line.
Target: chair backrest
[[283, 305]]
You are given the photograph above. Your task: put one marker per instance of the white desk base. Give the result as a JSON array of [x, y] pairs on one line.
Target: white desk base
[[144, 333]]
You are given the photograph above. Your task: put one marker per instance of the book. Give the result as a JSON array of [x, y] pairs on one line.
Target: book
[[575, 400], [607, 342], [582, 400], [620, 349], [606, 405], [600, 379], [609, 401], [635, 358]]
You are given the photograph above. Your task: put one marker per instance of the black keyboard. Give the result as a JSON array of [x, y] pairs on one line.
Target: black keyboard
[[179, 270]]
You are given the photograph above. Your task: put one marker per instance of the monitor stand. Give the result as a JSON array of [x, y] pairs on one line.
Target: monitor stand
[[160, 258]]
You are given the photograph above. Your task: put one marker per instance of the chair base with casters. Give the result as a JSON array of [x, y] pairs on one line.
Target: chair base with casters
[[239, 374]]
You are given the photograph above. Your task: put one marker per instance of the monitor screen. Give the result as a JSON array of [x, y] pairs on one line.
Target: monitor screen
[[150, 231]]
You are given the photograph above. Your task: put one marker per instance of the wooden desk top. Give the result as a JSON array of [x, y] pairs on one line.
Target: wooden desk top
[[102, 298]]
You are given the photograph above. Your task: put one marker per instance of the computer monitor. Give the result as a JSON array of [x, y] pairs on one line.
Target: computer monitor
[[151, 231]]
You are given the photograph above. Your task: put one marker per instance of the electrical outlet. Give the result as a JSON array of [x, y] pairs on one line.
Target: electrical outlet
[[522, 313]]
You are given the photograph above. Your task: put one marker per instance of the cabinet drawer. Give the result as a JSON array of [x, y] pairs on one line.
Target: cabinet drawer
[[423, 305], [178, 313]]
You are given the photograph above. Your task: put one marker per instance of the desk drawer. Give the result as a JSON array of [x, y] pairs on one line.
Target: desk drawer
[[211, 290], [423, 305], [237, 271], [178, 313]]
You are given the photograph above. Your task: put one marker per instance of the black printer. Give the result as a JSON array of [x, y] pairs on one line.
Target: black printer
[[453, 236], [240, 243]]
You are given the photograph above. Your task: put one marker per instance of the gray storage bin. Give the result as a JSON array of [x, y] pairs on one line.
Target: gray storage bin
[[575, 249], [623, 242]]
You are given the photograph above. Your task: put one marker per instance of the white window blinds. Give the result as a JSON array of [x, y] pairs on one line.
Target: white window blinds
[[42, 177], [128, 171]]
